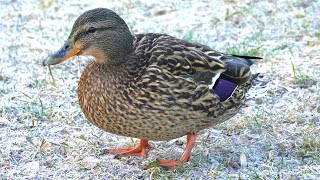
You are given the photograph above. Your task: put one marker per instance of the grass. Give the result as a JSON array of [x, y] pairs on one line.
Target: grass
[[317, 34], [310, 147], [190, 35], [300, 77], [45, 135], [46, 4], [249, 46]]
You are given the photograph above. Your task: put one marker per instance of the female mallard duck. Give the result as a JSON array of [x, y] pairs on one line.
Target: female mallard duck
[[152, 86]]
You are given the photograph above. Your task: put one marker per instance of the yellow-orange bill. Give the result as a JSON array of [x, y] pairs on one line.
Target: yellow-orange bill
[[61, 55]]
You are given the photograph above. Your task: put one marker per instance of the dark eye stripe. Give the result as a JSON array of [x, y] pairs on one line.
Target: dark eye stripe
[[90, 30], [106, 28], [79, 35]]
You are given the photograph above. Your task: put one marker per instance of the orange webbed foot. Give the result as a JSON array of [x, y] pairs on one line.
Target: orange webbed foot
[[172, 164], [139, 150]]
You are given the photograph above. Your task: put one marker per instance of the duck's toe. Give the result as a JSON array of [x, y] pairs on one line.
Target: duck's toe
[[139, 150]]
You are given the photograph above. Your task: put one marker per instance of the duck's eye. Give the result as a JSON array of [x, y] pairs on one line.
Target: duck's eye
[[92, 30]]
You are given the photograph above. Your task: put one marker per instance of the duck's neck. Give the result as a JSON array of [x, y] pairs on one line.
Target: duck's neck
[[111, 76], [115, 74]]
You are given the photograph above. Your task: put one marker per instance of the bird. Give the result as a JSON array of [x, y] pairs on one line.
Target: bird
[[152, 86]]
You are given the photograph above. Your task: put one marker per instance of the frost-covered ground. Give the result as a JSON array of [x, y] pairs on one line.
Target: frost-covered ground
[[45, 136]]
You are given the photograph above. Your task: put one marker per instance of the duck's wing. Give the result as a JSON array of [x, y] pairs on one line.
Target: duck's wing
[[195, 62]]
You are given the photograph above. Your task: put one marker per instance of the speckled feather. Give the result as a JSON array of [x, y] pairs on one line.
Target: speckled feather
[[162, 90]]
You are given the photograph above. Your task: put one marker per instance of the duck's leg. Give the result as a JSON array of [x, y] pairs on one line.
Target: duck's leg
[[171, 164], [139, 150]]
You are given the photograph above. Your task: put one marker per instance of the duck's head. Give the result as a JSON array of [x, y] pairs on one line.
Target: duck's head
[[98, 32]]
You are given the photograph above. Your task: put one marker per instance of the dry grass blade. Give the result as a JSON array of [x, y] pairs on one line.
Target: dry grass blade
[[53, 81]]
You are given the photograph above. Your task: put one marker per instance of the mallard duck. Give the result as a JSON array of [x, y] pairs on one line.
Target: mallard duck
[[152, 86]]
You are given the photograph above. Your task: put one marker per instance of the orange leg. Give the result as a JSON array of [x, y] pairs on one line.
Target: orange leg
[[171, 164], [139, 150]]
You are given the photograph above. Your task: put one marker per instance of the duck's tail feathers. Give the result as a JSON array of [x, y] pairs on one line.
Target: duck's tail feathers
[[238, 68], [247, 57]]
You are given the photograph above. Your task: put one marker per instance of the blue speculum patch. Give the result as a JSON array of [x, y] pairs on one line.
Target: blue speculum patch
[[224, 89]]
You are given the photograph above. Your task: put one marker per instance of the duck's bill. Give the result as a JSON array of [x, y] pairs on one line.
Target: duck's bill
[[64, 53]]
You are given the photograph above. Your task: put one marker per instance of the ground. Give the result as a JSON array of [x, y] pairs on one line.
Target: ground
[[275, 136]]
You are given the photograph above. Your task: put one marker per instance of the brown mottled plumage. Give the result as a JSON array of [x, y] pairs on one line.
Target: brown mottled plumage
[[151, 86]]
